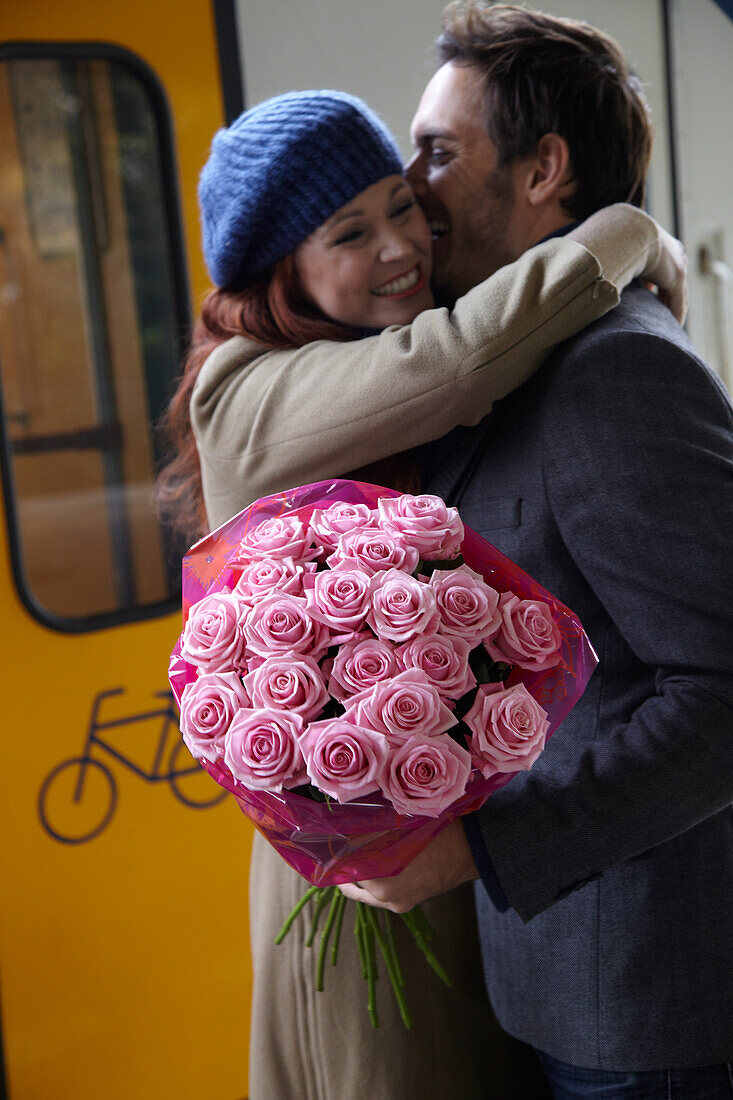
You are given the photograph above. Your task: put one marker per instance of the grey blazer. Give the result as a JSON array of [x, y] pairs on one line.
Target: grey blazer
[[608, 478]]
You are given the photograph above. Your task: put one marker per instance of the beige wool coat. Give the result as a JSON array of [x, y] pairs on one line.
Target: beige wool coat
[[267, 420]]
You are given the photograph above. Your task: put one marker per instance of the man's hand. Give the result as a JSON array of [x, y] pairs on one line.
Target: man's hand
[[445, 863]]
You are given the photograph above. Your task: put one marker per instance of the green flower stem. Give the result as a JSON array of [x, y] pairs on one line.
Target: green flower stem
[[388, 919], [371, 944], [337, 930], [360, 942], [368, 934], [294, 912], [411, 922], [373, 919], [423, 923], [321, 902], [325, 935]]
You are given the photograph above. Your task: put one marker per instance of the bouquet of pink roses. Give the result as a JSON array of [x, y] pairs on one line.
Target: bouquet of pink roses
[[358, 669]]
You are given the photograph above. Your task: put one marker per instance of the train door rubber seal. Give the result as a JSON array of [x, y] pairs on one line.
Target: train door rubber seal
[[230, 59]]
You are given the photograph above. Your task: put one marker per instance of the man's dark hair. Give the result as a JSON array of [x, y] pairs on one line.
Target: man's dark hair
[[547, 75]]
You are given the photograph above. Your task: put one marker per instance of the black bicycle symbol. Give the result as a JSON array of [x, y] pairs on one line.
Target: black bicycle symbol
[[83, 788]]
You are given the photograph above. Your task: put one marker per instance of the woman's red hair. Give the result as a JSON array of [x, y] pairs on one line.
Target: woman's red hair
[[274, 312]]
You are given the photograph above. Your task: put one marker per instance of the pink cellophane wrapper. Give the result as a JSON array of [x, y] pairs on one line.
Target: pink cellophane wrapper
[[332, 843]]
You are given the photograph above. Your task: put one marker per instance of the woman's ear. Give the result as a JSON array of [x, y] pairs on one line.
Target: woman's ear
[[549, 172]]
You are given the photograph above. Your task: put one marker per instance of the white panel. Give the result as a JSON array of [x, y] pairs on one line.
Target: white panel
[[703, 61], [379, 50]]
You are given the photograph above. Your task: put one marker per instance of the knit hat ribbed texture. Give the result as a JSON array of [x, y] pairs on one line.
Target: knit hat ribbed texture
[[280, 170]]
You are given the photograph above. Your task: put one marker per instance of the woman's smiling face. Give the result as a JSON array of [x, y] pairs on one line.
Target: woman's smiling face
[[369, 264]]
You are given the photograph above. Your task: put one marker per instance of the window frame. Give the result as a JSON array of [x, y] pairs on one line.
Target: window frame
[[173, 221]]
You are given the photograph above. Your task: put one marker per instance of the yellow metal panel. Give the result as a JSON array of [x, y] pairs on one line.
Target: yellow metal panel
[[124, 966]]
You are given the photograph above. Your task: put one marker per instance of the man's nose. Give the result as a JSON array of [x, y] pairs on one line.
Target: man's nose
[[415, 172]]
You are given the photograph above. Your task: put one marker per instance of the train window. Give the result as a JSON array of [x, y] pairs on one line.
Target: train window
[[92, 309]]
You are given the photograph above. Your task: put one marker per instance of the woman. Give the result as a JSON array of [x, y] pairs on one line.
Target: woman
[[313, 236]]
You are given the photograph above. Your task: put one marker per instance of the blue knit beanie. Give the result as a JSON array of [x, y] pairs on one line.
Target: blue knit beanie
[[280, 170]]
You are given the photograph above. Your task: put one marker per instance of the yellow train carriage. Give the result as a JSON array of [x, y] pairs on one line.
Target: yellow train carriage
[[124, 965]]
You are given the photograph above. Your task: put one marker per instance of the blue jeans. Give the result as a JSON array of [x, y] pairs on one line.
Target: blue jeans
[[698, 1083]]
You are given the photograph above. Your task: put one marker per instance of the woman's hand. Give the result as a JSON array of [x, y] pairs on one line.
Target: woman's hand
[[669, 273]]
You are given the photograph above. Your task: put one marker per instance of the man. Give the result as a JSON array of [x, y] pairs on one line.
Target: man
[[605, 874]]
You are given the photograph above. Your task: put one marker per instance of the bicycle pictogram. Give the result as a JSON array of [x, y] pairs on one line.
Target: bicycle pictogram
[[77, 799]]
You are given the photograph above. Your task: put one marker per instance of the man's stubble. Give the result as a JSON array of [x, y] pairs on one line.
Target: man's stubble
[[481, 239]]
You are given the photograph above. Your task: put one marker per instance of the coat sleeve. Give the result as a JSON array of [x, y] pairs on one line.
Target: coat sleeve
[[268, 421], [638, 459]]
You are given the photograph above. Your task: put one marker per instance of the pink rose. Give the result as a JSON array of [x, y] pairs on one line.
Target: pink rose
[[288, 681], [207, 708], [213, 637], [359, 665], [426, 775], [328, 524], [508, 727], [265, 575], [280, 537], [425, 522], [341, 600], [401, 606], [343, 760], [282, 624], [528, 634], [261, 749], [467, 605], [401, 707], [373, 551], [443, 660]]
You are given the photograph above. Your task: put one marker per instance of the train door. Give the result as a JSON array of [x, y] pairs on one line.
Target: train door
[[123, 931]]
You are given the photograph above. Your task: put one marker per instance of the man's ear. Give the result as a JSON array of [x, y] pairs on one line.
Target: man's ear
[[549, 172]]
